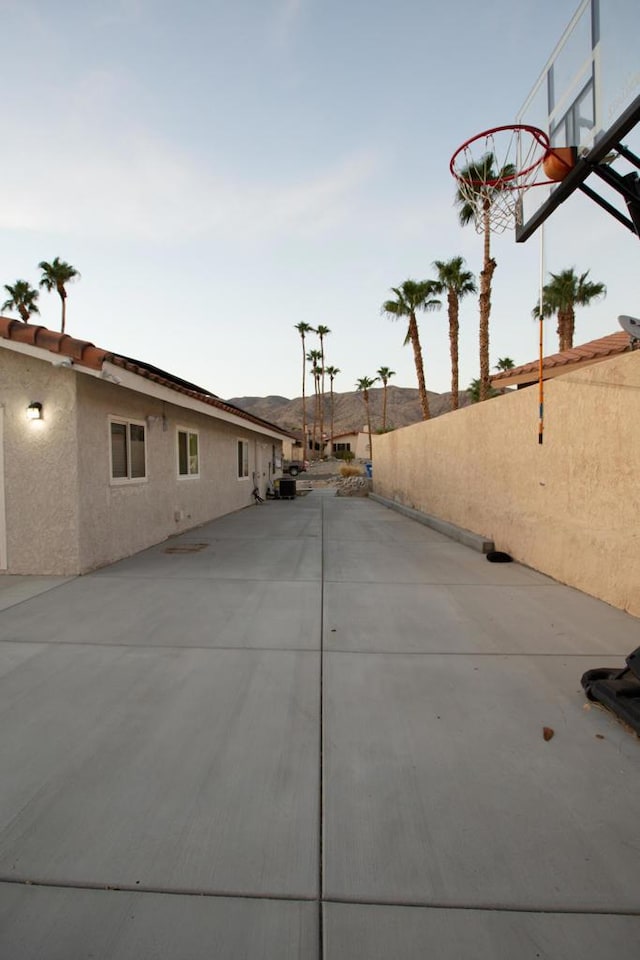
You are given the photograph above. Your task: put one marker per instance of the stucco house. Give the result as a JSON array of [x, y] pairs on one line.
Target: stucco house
[[355, 441], [102, 455]]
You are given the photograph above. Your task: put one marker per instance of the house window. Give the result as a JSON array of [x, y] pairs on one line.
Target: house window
[[188, 455], [243, 458], [128, 450], [341, 446]]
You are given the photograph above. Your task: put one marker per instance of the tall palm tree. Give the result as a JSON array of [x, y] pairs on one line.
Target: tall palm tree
[[303, 329], [313, 357], [385, 374], [412, 296], [322, 333], [481, 171], [22, 297], [55, 276], [565, 291], [456, 282], [332, 373], [364, 384]]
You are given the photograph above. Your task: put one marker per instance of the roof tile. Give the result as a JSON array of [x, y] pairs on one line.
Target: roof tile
[[598, 349], [86, 354]]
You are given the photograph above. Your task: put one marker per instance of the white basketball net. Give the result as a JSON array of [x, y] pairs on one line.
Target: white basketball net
[[494, 170]]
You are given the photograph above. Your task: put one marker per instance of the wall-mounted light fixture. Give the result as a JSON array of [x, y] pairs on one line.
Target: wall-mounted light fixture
[[34, 411]]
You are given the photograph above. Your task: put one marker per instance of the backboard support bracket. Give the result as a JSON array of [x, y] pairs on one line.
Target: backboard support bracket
[[596, 162]]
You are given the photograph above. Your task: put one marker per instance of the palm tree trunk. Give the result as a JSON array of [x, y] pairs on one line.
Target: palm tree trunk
[[565, 335], [304, 404], [315, 418], [384, 406], [331, 450], [417, 356], [322, 402], [454, 327], [24, 313], [485, 306], [366, 402], [64, 312], [571, 326]]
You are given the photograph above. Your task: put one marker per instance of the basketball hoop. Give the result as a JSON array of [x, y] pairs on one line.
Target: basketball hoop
[[495, 168]]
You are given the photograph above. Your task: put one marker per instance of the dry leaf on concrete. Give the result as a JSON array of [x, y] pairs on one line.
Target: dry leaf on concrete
[[548, 732]]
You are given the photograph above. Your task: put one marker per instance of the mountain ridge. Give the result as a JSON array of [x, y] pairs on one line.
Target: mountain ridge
[[403, 408]]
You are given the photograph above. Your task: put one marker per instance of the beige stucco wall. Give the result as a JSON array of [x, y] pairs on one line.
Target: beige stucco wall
[[568, 507], [118, 519], [40, 466], [64, 515]]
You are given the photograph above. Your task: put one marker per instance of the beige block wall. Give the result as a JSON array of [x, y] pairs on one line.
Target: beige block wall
[[118, 520], [40, 467], [568, 507]]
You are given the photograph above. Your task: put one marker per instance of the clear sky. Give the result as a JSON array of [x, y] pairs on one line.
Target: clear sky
[[219, 170]]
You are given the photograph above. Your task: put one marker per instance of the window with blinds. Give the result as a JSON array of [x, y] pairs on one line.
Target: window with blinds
[[188, 454], [243, 458], [128, 450]]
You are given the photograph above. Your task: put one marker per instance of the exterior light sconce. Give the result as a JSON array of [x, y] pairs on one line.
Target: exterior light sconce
[[34, 411]]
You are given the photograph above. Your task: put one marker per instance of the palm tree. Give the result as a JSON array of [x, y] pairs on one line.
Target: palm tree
[[385, 374], [303, 329], [313, 357], [54, 277], [503, 364], [474, 392], [456, 282], [332, 373], [364, 384], [565, 291], [322, 333], [22, 297], [481, 171], [412, 296]]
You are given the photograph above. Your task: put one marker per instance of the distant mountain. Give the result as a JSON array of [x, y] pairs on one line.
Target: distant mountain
[[403, 408]]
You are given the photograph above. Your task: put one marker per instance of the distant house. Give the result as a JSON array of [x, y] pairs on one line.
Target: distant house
[[357, 442], [102, 455], [292, 446], [595, 351]]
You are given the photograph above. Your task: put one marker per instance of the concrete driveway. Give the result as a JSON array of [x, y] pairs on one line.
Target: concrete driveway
[[313, 729]]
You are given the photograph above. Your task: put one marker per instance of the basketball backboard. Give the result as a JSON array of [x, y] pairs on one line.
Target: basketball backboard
[[588, 96]]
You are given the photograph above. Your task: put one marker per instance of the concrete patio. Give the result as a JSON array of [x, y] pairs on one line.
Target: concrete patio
[[314, 730]]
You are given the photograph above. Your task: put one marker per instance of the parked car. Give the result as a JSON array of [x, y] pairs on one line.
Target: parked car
[[294, 467]]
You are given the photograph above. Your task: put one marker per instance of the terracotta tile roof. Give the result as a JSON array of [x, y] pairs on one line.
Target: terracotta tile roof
[[80, 351], [557, 363], [86, 354]]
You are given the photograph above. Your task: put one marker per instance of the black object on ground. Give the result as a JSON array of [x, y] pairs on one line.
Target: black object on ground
[[497, 556], [287, 489], [619, 690]]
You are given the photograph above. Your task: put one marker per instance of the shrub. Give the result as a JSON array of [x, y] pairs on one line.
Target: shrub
[[346, 455], [349, 470]]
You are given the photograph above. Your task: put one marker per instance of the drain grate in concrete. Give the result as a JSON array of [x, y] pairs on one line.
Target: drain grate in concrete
[[186, 548]]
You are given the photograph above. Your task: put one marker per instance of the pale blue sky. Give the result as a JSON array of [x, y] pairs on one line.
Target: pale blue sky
[[219, 171]]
